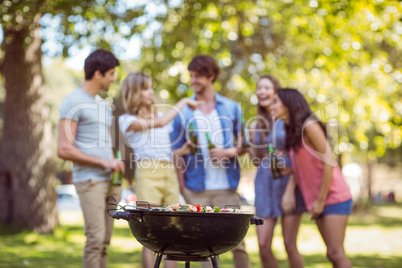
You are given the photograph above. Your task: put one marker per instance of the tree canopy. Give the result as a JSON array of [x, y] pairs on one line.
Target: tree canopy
[[345, 56], [336, 52], [346, 52]]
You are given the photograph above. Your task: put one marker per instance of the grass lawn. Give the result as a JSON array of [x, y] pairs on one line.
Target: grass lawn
[[374, 239]]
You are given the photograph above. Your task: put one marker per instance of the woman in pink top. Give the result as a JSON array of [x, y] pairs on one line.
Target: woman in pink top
[[325, 192]]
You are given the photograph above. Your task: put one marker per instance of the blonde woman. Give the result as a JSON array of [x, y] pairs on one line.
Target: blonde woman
[[148, 133]]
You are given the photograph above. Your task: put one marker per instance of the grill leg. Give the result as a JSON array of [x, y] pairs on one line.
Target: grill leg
[[214, 260], [158, 260], [187, 264]]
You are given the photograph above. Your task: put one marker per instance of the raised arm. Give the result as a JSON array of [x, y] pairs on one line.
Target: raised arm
[[142, 124], [68, 151]]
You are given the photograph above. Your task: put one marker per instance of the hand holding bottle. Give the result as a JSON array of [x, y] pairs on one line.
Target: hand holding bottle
[[113, 165], [193, 139], [286, 171], [117, 175], [185, 149], [276, 173]]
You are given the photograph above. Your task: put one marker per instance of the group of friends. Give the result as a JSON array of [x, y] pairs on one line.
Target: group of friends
[[167, 166]]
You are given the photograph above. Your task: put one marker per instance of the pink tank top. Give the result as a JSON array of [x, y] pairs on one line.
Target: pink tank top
[[308, 170]]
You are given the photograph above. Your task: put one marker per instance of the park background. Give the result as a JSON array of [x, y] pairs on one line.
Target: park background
[[344, 56]]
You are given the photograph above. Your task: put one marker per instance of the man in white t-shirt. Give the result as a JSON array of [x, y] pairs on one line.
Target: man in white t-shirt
[[210, 177], [84, 139]]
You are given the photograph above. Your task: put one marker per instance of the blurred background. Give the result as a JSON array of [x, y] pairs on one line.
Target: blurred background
[[344, 56]]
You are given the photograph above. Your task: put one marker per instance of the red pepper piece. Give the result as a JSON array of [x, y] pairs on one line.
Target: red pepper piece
[[198, 207]]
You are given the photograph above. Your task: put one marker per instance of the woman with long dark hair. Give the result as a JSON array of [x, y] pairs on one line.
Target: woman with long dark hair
[[325, 192], [274, 198]]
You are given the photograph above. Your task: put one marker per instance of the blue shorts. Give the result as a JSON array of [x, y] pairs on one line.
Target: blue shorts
[[344, 208]]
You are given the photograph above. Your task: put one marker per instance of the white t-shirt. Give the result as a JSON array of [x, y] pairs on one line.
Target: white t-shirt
[[215, 174], [153, 143], [94, 117]]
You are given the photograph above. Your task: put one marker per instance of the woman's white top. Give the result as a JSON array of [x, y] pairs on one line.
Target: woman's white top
[[153, 143]]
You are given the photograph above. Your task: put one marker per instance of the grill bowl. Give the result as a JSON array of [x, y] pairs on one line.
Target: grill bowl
[[190, 234]]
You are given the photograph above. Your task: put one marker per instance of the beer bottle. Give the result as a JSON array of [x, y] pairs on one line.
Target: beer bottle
[[273, 161], [210, 144], [193, 139], [244, 132], [210, 147], [117, 176]]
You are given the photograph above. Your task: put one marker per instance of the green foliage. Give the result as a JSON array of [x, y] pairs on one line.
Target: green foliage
[[74, 23], [60, 81], [334, 52], [342, 52]]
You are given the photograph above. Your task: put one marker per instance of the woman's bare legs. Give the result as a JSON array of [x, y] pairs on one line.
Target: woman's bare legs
[[265, 235], [332, 229], [148, 260], [290, 228], [169, 264]]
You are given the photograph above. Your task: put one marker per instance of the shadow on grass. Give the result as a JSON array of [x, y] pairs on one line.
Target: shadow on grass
[[20, 248], [376, 261], [117, 231], [10, 230], [226, 261], [385, 215], [363, 261], [59, 258], [64, 248]]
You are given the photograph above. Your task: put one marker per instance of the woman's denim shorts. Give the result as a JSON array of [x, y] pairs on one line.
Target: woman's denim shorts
[[344, 208]]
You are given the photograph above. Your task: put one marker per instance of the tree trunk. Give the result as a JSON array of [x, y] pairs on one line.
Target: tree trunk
[[370, 166], [27, 196], [340, 160]]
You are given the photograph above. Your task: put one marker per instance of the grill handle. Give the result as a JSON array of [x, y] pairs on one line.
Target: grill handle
[[256, 221], [121, 215]]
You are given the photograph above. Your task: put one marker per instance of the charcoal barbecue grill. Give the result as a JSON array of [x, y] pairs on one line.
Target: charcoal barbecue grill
[[185, 236]]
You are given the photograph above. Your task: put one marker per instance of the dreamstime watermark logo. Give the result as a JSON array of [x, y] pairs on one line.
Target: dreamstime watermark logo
[[93, 125], [201, 161], [225, 136], [322, 149]]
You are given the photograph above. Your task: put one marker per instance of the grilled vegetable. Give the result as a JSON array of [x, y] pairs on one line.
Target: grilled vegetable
[[198, 207]]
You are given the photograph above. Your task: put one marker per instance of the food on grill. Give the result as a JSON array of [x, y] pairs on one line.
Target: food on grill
[[186, 236], [198, 208], [207, 209], [190, 208]]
